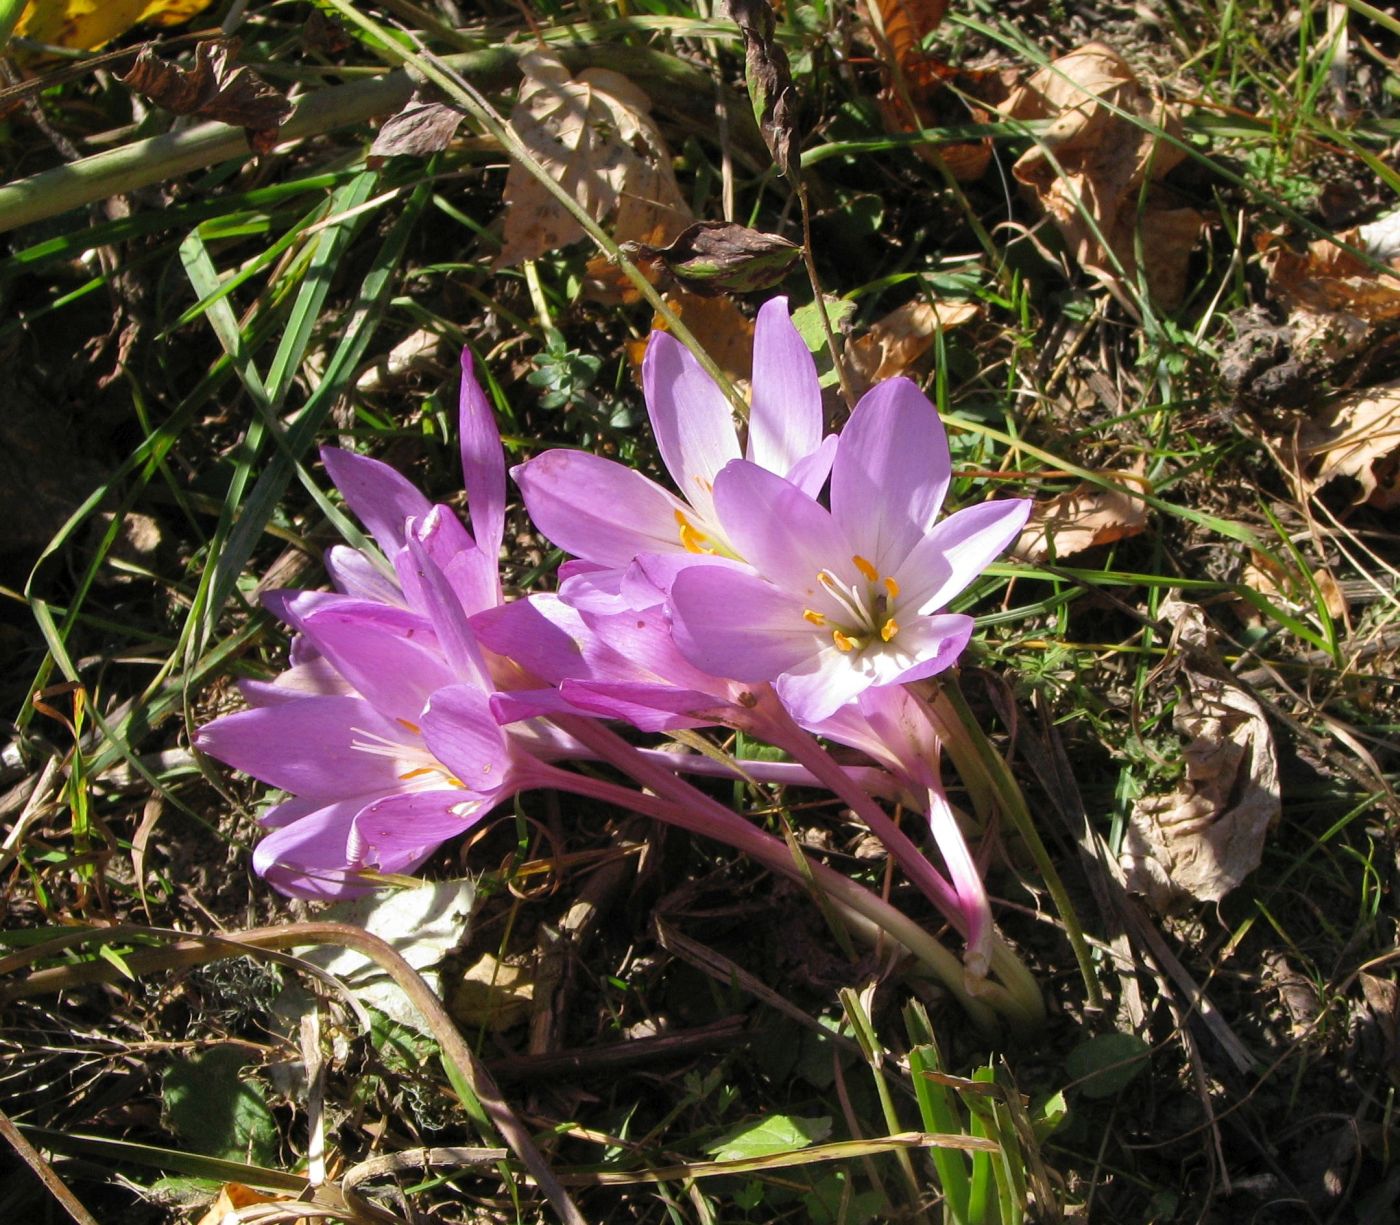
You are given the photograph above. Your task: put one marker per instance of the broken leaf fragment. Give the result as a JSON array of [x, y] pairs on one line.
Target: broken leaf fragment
[[1202, 838], [769, 80], [422, 128], [1097, 167], [594, 136]]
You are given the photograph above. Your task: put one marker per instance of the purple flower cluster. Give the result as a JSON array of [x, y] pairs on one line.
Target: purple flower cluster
[[418, 699]]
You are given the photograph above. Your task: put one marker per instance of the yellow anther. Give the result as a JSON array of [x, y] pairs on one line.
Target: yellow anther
[[816, 618], [691, 540], [413, 727], [892, 587], [889, 629], [418, 773], [842, 642], [871, 574]]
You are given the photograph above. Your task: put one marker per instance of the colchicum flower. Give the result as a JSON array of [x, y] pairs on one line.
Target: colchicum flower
[[833, 602], [382, 730], [607, 514]]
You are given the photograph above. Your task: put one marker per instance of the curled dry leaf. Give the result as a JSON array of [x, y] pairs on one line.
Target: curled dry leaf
[[769, 81], [1205, 836], [422, 128], [894, 342], [213, 89], [595, 137], [714, 257], [1357, 436], [1089, 168], [1079, 519]]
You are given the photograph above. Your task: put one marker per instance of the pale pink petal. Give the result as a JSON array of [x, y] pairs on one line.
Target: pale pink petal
[[381, 498], [471, 573], [647, 707], [647, 581], [398, 832], [483, 464], [826, 681], [542, 634], [395, 668], [690, 416], [314, 678], [356, 575], [596, 509], [781, 532], [462, 733], [307, 747], [891, 472], [956, 551], [810, 474], [308, 857], [737, 626], [445, 611], [927, 645], [785, 409]]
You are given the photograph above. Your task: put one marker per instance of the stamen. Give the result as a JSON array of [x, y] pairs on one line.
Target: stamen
[[842, 642], [691, 539], [889, 629], [871, 574], [892, 587], [816, 618], [413, 727], [418, 773]]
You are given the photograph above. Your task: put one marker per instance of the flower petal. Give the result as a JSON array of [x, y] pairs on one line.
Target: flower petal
[[935, 644], [824, 683], [396, 833], [356, 574], [316, 677], [690, 416], [957, 550], [444, 610], [542, 634], [307, 747], [647, 707], [391, 658], [891, 471], [810, 474], [597, 509], [462, 733], [735, 625], [307, 857], [785, 409], [381, 498], [783, 534], [483, 464]]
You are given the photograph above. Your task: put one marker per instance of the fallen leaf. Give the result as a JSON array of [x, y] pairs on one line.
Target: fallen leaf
[[1079, 519], [213, 89], [894, 342], [422, 128], [1206, 835], [595, 137], [233, 1196], [1088, 170], [1357, 436], [89, 24], [492, 993], [716, 323], [915, 94], [714, 257]]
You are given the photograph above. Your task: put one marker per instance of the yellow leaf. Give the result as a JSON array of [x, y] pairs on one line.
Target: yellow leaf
[[89, 24]]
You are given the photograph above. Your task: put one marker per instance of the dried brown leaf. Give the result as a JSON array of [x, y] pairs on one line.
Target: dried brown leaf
[[213, 89], [769, 81], [894, 342], [421, 129], [1202, 838], [1358, 436], [718, 325], [595, 137], [1079, 519], [713, 257], [1088, 170]]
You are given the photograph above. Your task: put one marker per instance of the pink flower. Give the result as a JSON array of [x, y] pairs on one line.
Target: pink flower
[[608, 514], [833, 602]]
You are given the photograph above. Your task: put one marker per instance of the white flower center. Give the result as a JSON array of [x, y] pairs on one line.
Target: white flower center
[[859, 613]]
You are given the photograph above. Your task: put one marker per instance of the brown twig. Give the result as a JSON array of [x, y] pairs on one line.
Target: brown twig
[[35, 1161]]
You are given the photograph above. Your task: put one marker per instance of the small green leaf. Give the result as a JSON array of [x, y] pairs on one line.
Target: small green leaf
[[779, 1134], [1106, 1064], [1049, 1115], [216, 1111]]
